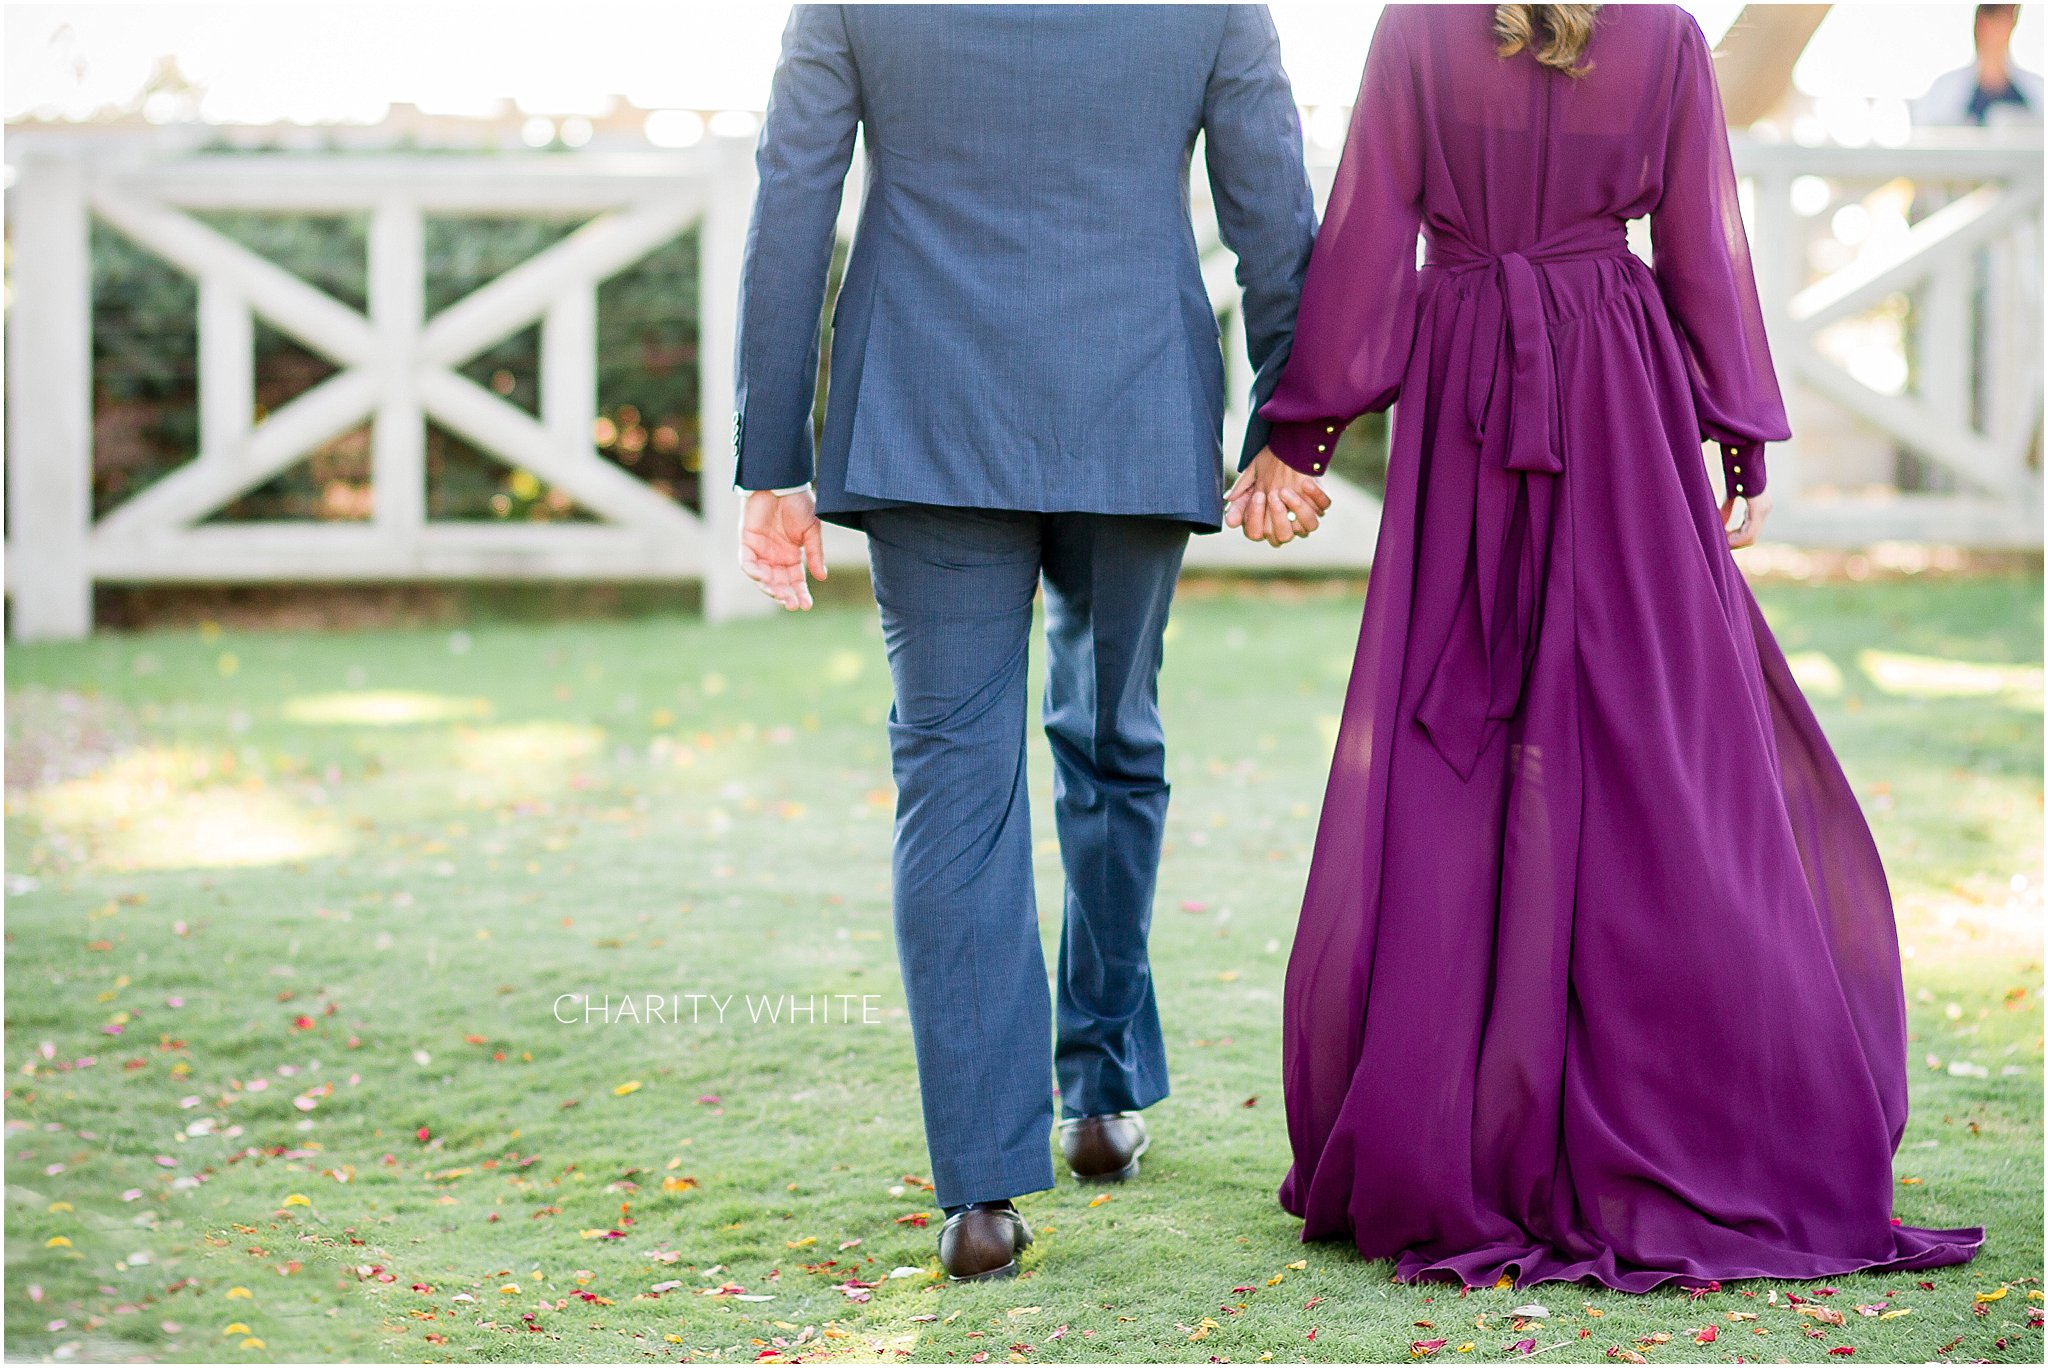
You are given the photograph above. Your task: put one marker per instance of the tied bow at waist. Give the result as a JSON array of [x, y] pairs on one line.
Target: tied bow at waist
[[1511, 402]]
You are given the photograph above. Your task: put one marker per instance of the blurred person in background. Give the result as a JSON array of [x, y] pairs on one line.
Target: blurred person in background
[[1991, 92]]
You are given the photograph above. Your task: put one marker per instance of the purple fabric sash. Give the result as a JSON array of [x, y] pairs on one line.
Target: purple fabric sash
[[1511, 403]]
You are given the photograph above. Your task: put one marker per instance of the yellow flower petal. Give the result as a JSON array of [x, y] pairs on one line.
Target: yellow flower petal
[[237, 1329], [253, 1343], [298, 1199], [57, 1242], [625, 1088], [234, 1292], [1998, 1295]]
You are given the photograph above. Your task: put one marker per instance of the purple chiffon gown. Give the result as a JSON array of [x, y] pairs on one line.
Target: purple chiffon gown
[[1596, 975]]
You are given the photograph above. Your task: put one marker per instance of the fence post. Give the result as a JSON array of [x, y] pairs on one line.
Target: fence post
[[49, 400], [398, 433], [2011, 378], [722, 243], [1778, 258], [1237, 389]]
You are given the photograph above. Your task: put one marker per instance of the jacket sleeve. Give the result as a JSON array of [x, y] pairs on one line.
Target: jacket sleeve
[[1701, 259], [1264, 207], [806, 145], [1357, 320]]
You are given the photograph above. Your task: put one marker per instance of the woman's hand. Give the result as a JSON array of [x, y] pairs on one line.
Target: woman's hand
[[1273, 502], [1755, 508]]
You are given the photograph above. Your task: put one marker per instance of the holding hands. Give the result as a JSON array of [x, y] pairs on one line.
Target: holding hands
[[1273, 502]]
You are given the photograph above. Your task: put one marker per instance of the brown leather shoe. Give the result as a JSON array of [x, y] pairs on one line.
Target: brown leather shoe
[[982, 1243], [1104, 1149]]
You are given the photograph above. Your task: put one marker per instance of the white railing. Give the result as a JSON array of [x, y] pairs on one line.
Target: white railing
[[397, 368], [1943, 282], [1970, 405]]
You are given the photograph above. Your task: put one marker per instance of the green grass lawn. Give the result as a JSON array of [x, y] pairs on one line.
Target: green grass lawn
[[291, 915]]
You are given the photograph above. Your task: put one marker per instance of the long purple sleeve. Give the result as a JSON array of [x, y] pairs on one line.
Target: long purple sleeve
[[1702, 264], [1357, 316]]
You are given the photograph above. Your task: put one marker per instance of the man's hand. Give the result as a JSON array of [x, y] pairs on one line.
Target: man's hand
[[780, 537], [1756, 507], [1273, 502]]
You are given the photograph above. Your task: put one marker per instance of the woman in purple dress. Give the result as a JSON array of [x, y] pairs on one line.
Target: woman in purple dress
[[1596, 975]]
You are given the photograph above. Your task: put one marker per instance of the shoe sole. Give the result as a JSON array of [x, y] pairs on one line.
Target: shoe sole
[[1008, 1270]]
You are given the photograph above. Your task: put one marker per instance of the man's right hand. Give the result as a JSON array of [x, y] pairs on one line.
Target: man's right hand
[[781, 537]]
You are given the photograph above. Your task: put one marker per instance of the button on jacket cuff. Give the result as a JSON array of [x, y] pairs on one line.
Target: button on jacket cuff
[[1742, 468], [1307, 446]]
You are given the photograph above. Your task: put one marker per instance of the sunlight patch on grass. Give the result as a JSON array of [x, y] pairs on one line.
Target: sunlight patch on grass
[[1916, 676], [383, 708], [172, 807], [1816, 673], [521, 749]]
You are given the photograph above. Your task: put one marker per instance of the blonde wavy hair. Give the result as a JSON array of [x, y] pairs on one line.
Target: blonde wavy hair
[[1555, 35]]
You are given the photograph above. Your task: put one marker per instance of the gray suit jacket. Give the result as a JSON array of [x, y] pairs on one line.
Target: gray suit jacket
[[1022, 323]]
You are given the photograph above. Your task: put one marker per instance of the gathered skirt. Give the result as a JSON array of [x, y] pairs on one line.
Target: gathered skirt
[[1596, 975]]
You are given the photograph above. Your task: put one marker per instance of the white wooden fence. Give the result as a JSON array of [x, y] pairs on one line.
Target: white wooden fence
[[397, 366], [1968, 274]]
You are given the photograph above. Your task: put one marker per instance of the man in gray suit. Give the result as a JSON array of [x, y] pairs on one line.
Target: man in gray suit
[[1026, 386]]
